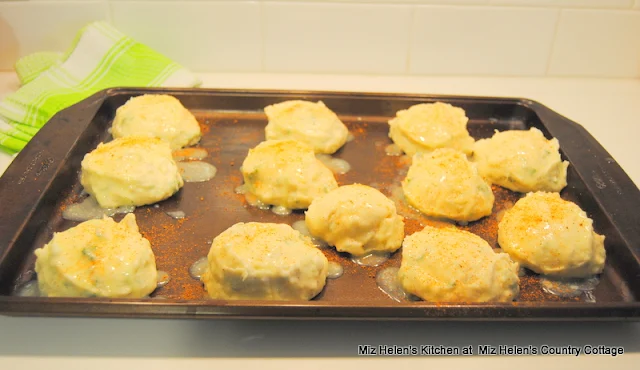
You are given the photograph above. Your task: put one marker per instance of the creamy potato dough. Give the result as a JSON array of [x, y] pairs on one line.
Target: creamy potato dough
[[97, 258], [521, 161], [426, 127], [161, 116], [445, 184], [310, 123], [451, 265], [286, 173], [264, 261], [131, 171], [357, 219], [551, 236]]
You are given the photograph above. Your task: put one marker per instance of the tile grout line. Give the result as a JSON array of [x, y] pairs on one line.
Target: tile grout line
[[263, 36], [444, 4], [109, 11], [553, 42], [412, 25]]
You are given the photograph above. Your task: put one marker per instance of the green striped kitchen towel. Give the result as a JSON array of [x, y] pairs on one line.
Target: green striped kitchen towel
[[100, 57]]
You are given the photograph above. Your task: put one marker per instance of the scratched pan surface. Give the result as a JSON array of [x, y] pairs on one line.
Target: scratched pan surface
[[44, 179]]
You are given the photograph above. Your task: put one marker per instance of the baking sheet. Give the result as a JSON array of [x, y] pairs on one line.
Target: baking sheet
[[233, 122]]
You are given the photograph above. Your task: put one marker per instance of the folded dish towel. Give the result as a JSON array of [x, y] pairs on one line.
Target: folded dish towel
[[101, 57]]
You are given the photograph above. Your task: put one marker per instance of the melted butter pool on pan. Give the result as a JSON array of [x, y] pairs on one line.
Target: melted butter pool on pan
[[198, 268], [191, 168], [571, 287], [335, 270], [388, 283], [197, 171], [370, 259], [301, 227], [28, 289], [31, 289], [89, 209], [393, 150], [336, 165], [253, 201], [162, 278], [280, 210], [176, 215]]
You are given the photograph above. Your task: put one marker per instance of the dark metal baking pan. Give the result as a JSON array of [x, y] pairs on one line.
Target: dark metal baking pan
[[44, 179]]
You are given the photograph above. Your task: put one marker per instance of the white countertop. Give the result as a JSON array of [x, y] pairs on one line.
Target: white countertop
[[608, 108]]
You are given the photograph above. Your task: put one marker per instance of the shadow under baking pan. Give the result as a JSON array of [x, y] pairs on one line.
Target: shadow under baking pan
[[261, 338]]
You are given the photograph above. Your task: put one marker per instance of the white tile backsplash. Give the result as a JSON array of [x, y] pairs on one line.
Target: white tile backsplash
[[336, 37], [27, 27], [482, 41], [599, 38], [447, 2], [597, 43], [620, 4], [202, 35]]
